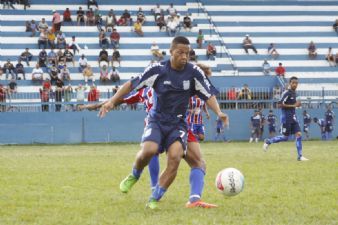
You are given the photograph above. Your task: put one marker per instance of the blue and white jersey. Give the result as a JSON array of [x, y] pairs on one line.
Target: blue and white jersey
[[272, 120], [256, 121], [173, 89], [306, 119], [329, 115], [321, 123], [288, 114]]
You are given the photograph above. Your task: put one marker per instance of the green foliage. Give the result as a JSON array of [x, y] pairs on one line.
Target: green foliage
[[78, 184]]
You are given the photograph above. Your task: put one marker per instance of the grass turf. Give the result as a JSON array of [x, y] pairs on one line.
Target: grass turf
[[78, 184]]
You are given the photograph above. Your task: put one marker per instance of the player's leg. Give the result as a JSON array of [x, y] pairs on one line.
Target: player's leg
[[197, 164], [154, 170], [252, 135], [200, 132], [284, 137], [295, 129]]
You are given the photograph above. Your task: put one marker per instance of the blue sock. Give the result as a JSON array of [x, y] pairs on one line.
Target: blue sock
[[277, 139], [137, 173], [299, 146], [154, 170], [158, 192], [196, 184]]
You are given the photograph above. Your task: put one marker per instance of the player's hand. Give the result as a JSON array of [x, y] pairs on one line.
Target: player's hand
[[224, 117], [298, 104], [104, 109]]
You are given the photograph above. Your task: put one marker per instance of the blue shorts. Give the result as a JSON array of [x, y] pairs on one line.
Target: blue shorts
[[272, 129], [165, 134], [328, 128], [198, 129], [290, 128]]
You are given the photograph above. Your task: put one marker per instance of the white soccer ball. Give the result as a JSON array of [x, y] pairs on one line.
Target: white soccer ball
[[230, 181]]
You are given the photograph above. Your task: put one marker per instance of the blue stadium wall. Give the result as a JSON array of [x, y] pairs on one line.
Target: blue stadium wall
[[118, 126]]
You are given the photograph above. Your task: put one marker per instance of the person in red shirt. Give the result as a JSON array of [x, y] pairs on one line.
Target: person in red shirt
[[67, 16], [115, 39], [280, 70], [94, 94]]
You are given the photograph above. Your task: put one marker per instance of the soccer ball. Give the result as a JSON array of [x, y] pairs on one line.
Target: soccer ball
[[230, 181]]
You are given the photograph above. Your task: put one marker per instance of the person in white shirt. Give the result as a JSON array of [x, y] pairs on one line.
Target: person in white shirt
[[172, 27], [37, 73], [157, 11], [82, 63], [74, 45], [171, 10], [155, 51]]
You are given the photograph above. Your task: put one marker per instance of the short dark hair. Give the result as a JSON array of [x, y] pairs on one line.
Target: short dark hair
[[180, 40], [293, 78]]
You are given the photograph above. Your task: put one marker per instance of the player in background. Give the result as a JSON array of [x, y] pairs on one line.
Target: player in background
[[322, 126], [288, 104], [329, 121], [261, 130], [220, 134], [271, 120], [306, 124], [255, 126]]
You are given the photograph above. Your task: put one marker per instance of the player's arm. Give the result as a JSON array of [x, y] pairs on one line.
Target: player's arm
[[205, 109], [213, 105]]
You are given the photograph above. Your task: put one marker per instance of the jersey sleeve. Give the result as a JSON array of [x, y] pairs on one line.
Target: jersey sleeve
[[134, 97], [203, 87], [284, 97], [147, 78]]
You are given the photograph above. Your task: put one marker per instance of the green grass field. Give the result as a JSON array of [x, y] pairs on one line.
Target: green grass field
[[78, 184]]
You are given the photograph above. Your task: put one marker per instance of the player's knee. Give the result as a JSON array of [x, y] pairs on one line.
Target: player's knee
[[201, 137], [298, 134]]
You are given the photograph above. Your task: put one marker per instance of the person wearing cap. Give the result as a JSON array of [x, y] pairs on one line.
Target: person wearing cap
[[56, 21], [247, 44]]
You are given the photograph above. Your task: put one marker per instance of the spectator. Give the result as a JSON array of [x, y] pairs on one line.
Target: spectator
[[58, 98], [115, 39], [80, 16], [90, 18], [26, 56], [51, 38], [336, 58], [92, 2], [171, 10], [88, 74], [312, 50], [138, 28], [104, 73], [25, 4], [56, 21], [60, 57], [157, 11], [67, 16], [187, 22], [200, 39], [280, 70], [232, 96], [37, 73], [20, 69], [80, 93], [272, 51], [12, 87], [266, 67], [245, 94], [172, 27], [276, 92], [53, 73], [33, 28], [1, 70], [43, 25], [67, 97], [110, 21], [126, 15], [192, 55], [211, 51], [116, 57], [69, 57], [94, 94], [44, 95], [82, 63], [330, 57], [103, 56], [74, 45], [43, 58], [247, 44], [141, 16], [43, 39], [47, 84], [335, 26], [61, 40], [98, 19], [103, 40], [52, 58], [155, 51], [8, 68], [28, 27], [3, 95], [114, 75], [65, 74], [59, 83], [115, 89], [160, 22]]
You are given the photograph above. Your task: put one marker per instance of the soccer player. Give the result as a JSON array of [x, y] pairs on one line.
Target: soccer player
[[272, 123], [329, 121], [322, 126], [255, 125], [174, 81], [290, 125], [220, 130], [194, 116], [261, 130], [306, 123]]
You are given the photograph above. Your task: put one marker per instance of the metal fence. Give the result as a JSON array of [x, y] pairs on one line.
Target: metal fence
[[229, 98]]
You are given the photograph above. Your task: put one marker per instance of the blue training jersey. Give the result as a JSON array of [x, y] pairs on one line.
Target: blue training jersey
[[329, 115], [306, 119], [256, 120], [173, 89], [288, 114], [272, 120]]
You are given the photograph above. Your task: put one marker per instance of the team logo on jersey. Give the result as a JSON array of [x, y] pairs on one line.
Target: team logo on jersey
[[167, 82], [186, 84]]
